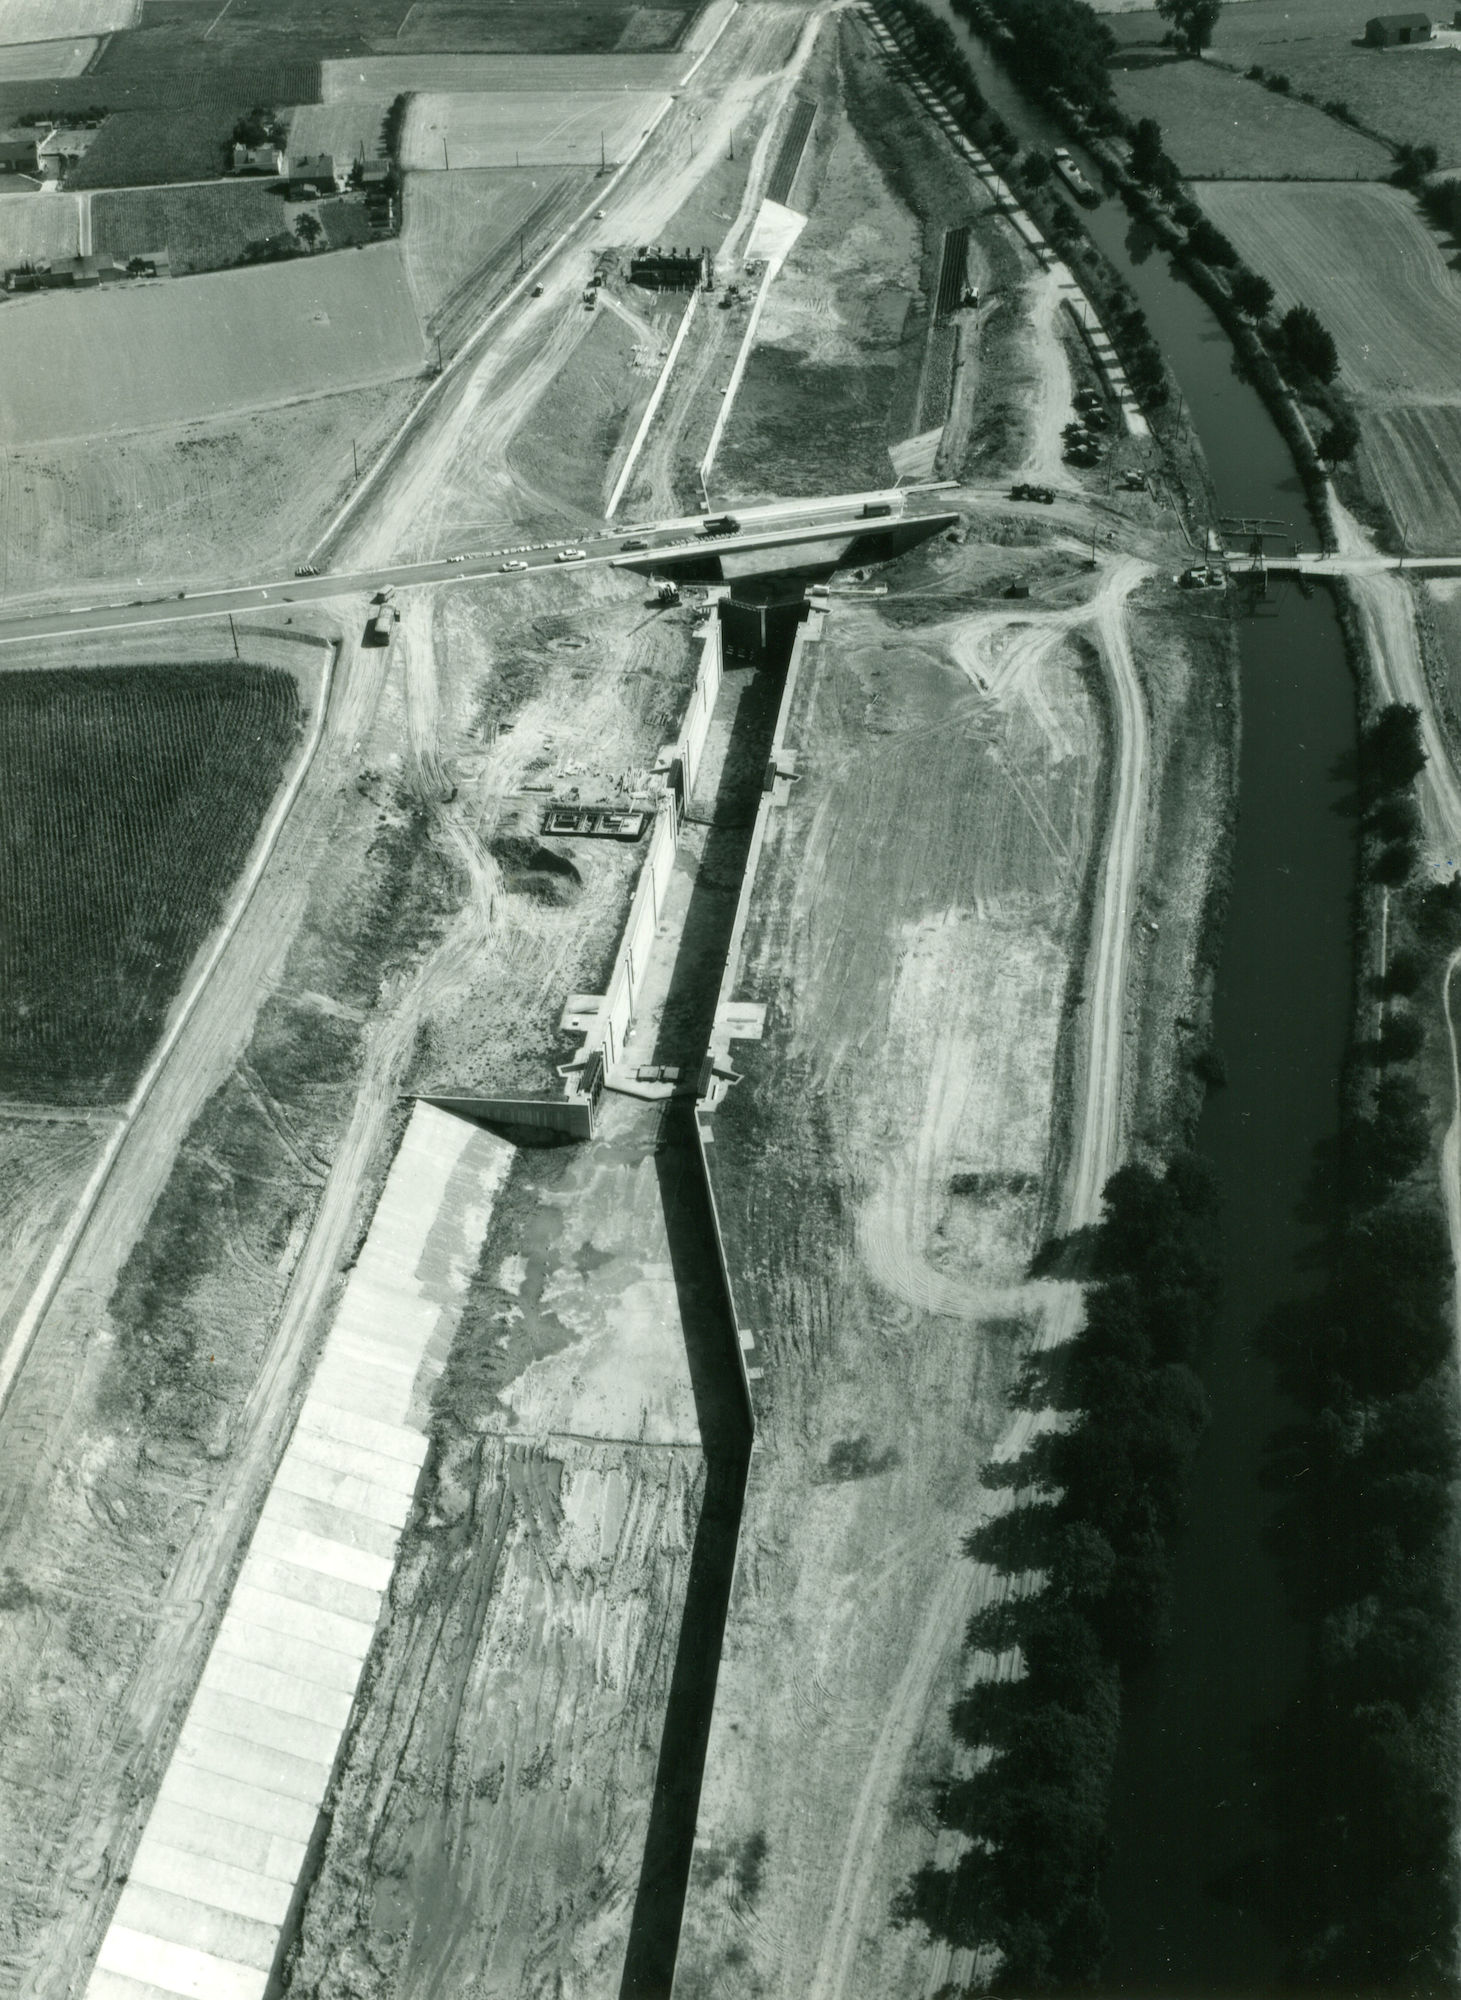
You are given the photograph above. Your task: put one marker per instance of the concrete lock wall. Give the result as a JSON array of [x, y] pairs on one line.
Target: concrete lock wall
[[612, 1025], [573, 1115], [690, 745]]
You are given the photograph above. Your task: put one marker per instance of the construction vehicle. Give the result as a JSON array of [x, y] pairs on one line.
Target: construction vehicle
[[722, 524], [537, 291], [1087, 399], [666, 590], [1045, 495], [1133, 482], [872, 509]]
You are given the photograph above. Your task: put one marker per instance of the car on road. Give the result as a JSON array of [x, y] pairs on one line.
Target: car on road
[[515, 563], [306, 569], [571, 555], [635, 542], [456, 559]]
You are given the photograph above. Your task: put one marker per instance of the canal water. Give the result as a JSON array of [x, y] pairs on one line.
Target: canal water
[[1184, 1812]]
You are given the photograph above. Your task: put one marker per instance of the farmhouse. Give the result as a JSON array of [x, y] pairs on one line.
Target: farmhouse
[[262, 159], [85, 272], [62, 148], [1388, 31], [17, 152], [312, 172]]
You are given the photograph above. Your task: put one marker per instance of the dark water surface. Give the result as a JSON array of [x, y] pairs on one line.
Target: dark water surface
[[1183, 1813]]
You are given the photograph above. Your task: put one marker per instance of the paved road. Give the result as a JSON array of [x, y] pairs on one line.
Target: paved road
[[782, 524]]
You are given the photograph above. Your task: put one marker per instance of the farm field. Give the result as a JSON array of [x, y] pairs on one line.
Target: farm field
[[384, 76], [1407, 94], [150, 147], [61, 20], [43, 59], [188, 504], [132, 798], [203, 228], [460, 234], [35, 227], [1217, 125], [126, 359], [1364, 259], [525, 128], [349, 127]]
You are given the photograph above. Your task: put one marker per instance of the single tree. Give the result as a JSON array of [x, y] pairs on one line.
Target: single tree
[[1192, 22], [1251, 294], [1392, 751], [1308, 344], [1036, 168], [309, 231], [1339, 442], [1146, 149]]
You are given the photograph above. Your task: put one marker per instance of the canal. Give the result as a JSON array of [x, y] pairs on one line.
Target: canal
[[1184, 1811]]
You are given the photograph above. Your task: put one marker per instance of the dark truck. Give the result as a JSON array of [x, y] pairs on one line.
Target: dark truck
[[875, 508], [722, 524]]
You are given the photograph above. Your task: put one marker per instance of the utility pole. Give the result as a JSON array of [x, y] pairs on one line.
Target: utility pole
[[521, 259], [355, 456], [445, 155], [603, 156], [438, 354], [733, 142], [233, 635]]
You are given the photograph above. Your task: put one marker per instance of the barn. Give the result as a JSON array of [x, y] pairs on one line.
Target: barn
[[1390, 31]]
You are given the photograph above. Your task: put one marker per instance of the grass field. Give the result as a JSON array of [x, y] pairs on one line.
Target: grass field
[[131, 357], [60, 20], [132, 798], [1407, 94], [1217, 126], [187, 505], [460, 235], [203, 228], [525, 128], [32, 59], [36, 226]]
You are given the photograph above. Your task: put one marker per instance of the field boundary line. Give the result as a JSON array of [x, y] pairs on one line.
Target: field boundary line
[[651, 408], [467, 351], [28, 1325]]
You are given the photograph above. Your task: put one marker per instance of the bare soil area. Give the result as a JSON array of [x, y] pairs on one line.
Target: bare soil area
[[883, 1171]]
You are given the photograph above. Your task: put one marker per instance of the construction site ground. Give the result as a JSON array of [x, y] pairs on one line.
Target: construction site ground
[[141, 1434], [513, 1796]]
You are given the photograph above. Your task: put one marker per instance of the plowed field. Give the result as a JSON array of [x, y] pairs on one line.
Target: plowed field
[[58, 20], [525, 128], [131, 800]]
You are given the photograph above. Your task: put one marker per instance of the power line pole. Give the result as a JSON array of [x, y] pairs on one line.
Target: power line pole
[[233, 634], [355, 457]]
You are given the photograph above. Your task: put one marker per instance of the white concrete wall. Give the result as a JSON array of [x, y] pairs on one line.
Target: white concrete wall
[[213, 1877]]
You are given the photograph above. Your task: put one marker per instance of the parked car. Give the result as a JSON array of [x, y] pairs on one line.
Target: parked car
[[306, 569], [456, 559]]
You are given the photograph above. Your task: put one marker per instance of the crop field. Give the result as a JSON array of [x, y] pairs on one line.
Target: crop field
[[132, 798], [1364, 260], [42, 59], [1402, 93], [460, 234], [204, 228], [815, 406], [190, 504], [132, 357], [1220, 126], [34, 226], [525, 128], [188, 142], [1415, 456], [61, 20]]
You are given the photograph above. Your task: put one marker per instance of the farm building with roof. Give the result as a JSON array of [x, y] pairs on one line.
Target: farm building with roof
[[17, 152], [312, 170], [1388, 31], [62, 149], [262, 159]]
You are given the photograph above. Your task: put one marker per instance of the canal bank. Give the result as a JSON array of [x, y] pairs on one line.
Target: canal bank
[[1185, 1810]]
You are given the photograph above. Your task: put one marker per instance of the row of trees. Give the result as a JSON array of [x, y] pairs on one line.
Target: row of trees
[[1364, 1771], [1097, 1505]]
